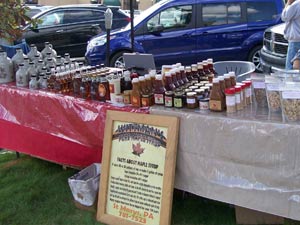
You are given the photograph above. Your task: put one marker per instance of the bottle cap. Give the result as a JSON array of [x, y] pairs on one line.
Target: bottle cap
[[231, 73], [135, 80], [158, 77], [141, 78], [216, 80], [168, 74], [147, 77], [226, 75], [210, 60], [221, 78], [181, 68], [191, 93]]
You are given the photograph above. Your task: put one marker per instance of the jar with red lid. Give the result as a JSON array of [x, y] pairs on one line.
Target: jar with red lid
[[248, 91], [230, 100], [238, 102]]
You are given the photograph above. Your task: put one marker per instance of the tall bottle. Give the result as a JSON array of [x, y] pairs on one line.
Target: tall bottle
[[22, 76], [136, 93], [201, 73], [31, 70], [159, 90], [174, 77], [195, 75], [178, 76], [76, 83], [33, 83], [48, 48], [216, 98], [33, 52], [126, 82], [183, 75], [6, 68], [211, 68], [17, 59], [103, 89], [169, 85]]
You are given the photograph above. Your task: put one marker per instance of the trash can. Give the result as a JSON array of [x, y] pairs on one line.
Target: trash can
[[85, 184]]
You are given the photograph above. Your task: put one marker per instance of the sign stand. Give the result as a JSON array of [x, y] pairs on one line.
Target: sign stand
[[138, 169]]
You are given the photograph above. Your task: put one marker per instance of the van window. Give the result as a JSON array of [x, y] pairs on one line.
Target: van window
[[178, 17], [220, 14], [260, 11], [51, 19]]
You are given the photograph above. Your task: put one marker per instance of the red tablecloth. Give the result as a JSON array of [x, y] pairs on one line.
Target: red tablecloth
[[58, 128]]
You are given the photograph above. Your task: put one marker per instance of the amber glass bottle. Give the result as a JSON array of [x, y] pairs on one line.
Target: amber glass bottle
[[188, 72], [136, 93], [103, 88], [178, 76], [217, 98], [169, 85], [183, 75], [159, 90]]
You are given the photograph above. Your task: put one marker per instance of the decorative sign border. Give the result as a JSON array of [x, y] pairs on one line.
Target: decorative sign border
[[138, 169]]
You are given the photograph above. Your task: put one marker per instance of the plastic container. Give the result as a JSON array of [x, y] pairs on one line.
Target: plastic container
[[85, 184], [259, 90], [273, 85], [290, 102], [230, 100]]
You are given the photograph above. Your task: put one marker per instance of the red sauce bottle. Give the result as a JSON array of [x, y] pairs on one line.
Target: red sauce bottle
[[159, 90], [169, 85], [136, 93]]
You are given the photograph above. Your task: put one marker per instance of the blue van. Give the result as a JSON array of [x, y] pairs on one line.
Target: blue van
[[189, 31]]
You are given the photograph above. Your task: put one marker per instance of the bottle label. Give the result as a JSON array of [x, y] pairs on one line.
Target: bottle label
[[168, 101], [159, 99], [238, 98], [111, 88], [178, 103], [135, 101], [3, 73], [101, 90], [145, 101], [215, 105], [230, 100], [190, 100], [127, 99]]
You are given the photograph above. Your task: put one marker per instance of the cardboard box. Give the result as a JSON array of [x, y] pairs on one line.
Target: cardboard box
[[85, 184], [249, 216]]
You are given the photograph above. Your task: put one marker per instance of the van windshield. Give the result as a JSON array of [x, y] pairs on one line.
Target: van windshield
[[138, 19]]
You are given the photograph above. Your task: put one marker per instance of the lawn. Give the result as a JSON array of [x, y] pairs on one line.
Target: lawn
[[36, 192]]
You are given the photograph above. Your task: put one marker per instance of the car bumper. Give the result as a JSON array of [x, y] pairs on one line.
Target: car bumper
[[271, 63]]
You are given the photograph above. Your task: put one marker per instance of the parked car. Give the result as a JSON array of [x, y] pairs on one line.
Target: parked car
[[35, 9], [273, 53], [188, 31], [69, 27]]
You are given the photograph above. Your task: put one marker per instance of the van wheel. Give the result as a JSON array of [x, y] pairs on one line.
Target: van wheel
[[117, 60], [254, 57]]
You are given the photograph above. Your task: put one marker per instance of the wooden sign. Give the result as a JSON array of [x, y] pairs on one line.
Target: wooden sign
[[138, 169]]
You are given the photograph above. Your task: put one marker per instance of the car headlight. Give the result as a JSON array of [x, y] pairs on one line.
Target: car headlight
[[99, 41]]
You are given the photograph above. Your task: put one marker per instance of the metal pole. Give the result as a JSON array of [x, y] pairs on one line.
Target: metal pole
[[107, 46], [131, 23]]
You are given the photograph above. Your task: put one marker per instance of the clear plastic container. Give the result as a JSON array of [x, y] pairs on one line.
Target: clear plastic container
[[273, 85], [259, 90], [290, 102]]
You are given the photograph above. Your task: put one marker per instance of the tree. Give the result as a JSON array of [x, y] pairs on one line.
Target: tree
[[13, 16]]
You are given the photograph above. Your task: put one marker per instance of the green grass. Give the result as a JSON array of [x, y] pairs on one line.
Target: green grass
[[36, 192]]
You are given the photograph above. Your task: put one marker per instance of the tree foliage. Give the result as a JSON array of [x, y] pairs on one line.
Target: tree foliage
[[13, 16]]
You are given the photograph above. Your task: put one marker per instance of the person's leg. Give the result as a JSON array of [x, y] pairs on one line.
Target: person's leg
[[292, 50]]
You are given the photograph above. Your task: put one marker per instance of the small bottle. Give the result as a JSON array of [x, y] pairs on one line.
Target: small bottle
[[159, 90], [227, 80], [174, 78], [201, 73], [152, 74], [195, 75], [33, 52], [48, 48], [33, 84], [103, 88], [178, 77], [211, 68], [216, 98], [94, 88], [222, 85], [126, 83], [183, 75], [188, 71], [6, 68], [136, 93], [191, 100], [169, 85], [17, 59], [22, 76], [206, 68], [230, 100], [43, 83]]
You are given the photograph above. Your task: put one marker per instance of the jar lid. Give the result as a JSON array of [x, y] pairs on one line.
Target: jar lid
[[204, 100], [179, 93], [237, 88], [158, 77], [187, 90], [221, 78], [231, 74], [204, 82], [198, 84], [230, 91], [135, 80], [226, 75], [141, 78], [193, 87], [215, 80], [169, 93], [199, 91], [190, 94]]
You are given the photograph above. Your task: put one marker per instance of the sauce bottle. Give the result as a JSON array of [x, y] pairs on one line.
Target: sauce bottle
[[211, 68], [178, 77], [136, 93], [188, 72], [183, 75], [169, 85], [195, 75], [159, 90], [174, 78], [103, 89], [216, 99], [232, 78]]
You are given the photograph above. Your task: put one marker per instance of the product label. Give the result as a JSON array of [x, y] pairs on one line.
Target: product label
[[159, 99], [261, 85], [178, 102], [238, 98], [190, 100], [111, 88], [127, 99], [101, 90], [273, 87], [204, 105], [168, 101], [291, 95], [230, 100], [215, 105], [3, 73], [145, 101], [135, 101]]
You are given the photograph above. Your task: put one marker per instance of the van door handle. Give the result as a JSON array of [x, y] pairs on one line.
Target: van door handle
[[59, 31]]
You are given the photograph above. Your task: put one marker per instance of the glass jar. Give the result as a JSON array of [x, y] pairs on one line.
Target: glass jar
[[191, 100], [204, 104], [238, 99], [178, 100], [169, 98], [230, 100]]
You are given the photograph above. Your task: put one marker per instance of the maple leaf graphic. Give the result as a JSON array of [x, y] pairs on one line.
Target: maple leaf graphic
[[137, 150]]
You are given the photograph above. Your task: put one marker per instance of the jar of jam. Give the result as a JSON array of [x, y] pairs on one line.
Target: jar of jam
[[178, 100], [169, 98], [191, 100], [204, 104]]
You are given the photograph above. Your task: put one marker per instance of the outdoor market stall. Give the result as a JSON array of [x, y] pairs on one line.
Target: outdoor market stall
[[59, 128], [250, 159]]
